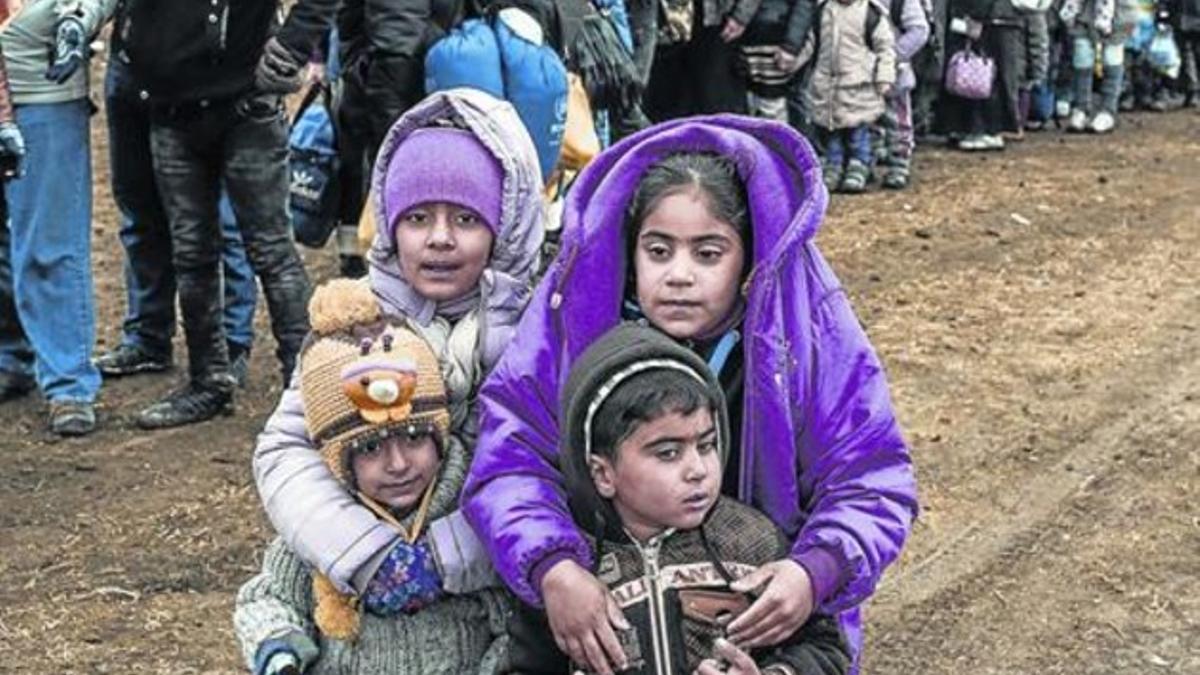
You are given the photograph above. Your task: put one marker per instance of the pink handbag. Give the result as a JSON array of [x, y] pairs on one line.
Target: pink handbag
[[970, 75]]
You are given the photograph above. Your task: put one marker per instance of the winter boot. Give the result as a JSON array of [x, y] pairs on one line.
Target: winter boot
[[832, 175], [855, 179]]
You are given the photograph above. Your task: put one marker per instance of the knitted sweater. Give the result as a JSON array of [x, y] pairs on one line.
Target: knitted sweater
[[457, 635]]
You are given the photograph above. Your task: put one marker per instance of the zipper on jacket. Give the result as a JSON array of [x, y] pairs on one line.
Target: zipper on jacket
[[659, 638], [556, 297]]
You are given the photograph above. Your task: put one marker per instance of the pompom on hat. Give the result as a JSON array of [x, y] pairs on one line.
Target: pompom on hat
[[444, 164]]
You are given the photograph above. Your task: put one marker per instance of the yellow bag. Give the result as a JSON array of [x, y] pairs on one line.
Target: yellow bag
[[366, 224], [580, 141]]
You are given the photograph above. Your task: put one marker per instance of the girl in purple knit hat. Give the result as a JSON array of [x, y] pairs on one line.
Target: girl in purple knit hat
[[703, 229], [457, 247]]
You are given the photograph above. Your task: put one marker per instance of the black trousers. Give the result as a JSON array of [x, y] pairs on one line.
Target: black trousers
[[242, 144], [699, 77]]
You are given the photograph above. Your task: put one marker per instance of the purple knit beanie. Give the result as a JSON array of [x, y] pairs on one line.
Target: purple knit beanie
[[443, 164]]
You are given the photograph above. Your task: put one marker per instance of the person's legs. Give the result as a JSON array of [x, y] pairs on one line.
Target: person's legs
[[834, 150], [16, 356], [858, 167], [1189, 48], [240, 293], [255, 173], [668, 94], [144, 232], [51, 214], [718, 87], [187, 159], [1083, 64], [901, 141], [1112, 58]]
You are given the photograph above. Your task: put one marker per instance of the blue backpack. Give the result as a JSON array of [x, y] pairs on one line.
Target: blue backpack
[[490, 56], [312, 169]]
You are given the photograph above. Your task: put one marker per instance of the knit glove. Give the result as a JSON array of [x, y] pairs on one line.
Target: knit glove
[[12, 150], [278, 72], [405, 582], [282, 663], [70, 49]]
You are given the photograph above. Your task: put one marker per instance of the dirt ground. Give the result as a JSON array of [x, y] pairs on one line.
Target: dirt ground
[[1039, 315]]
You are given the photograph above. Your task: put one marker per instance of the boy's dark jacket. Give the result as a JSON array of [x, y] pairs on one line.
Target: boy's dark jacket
[[185, 51], [674, 589], [674, 595]]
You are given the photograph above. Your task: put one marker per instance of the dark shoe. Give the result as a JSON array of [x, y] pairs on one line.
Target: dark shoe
[[239, 363], [855, 179], [72, 418], [188, 405], [130, 359], [14, 385]]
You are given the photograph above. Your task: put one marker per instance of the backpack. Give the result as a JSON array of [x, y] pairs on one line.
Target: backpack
[[312, 168], [494, 56]]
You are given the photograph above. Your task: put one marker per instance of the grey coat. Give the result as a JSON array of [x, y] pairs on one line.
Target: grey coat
[[29, 45], [850, 69], [313, 513]]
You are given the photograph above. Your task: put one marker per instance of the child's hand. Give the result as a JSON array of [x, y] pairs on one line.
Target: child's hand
[[885, 89], [781, 609], [405, 582], [732, 29], [728, 660], [582, 616], [787, 61]]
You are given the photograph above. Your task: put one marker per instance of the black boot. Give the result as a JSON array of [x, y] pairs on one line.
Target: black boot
[[188, 405]]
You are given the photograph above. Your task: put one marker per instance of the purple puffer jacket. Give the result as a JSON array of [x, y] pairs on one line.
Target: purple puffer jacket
[[822, 455]]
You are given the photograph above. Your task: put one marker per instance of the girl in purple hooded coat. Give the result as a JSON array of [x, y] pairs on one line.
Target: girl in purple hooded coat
[[703, 229]]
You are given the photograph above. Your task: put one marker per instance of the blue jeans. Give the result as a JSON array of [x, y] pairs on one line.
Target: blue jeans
[[145, 235], [836, 141], [16, 356], [50, 221]]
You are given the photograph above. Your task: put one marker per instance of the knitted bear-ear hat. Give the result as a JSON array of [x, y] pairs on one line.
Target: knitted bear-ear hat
[[363, 378]]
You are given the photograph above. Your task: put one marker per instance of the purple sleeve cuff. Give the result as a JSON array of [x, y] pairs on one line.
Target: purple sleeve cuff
[[824, 570], [543, 566]]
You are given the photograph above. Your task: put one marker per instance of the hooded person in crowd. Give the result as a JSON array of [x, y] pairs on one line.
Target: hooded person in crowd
[[703, 229], [454, 259]]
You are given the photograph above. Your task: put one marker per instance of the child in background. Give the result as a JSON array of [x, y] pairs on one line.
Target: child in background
[[375, 403], [910, 20], [770, 54], [1098, 30], [855, 70], [645, 438], [1036, 52]]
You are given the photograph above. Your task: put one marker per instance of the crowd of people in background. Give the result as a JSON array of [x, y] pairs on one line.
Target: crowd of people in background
[[198, 137]]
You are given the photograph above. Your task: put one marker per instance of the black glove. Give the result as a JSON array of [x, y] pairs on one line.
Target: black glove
[[70, 49], [12, 150], [278, 72]]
